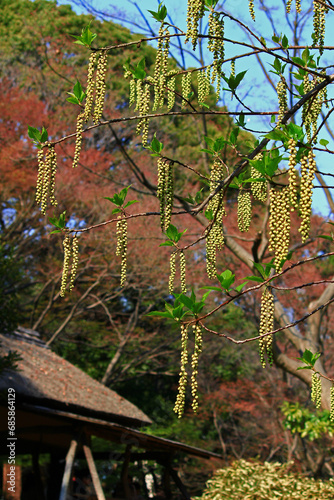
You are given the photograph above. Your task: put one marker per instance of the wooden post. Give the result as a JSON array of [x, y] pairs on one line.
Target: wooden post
[[179, 483], [93, 473], [68, 469]]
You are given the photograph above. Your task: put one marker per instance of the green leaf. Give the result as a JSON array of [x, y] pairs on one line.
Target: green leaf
[[306, 55], [167, 243], [86, 38], [241, 122], [58, 222], [285, 42], [209, 214], [119, 198], [116, 211], [323, 142], [325, 237], [277, 65], [298, 60], [255, 278], [234, 135], [156, 145], [162, 314], [276, 135], [234, 81], [185, 300], [214, 288], [210, 142], [34, 134], [161, 14], [260, 268], [139, 72], [307, 356], [72, 99], [172, 232], [56, 231], [130, 203], [240, 287]]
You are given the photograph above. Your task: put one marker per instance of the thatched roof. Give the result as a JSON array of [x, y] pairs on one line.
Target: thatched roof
[[45, 379]]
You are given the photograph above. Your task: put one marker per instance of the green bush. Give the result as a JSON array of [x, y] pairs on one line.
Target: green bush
[[269, 481]]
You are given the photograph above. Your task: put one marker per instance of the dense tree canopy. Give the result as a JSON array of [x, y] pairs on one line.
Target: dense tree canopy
[[144, 128]]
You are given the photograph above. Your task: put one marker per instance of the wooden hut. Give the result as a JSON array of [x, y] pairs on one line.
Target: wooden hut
[[58, 408]]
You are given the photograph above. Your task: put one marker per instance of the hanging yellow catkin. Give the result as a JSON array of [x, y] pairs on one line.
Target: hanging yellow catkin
[[331, 416], [172, 272], [143, 106], [196, 10], [251, 9], [71, 249], [216, 47], [244, 210], [75, 261], [186, 88], [259, 189], [293, 174], [46, 177], [183, 272], [319, 26], [181, 395], [101, 87], [282, 99], [316, 390], [165, 192], [121, 249], [194, 365], [78, 141], [279, 224], [90, 86], [214, 233], [308, 169], [66, 264], [266, 326], [171, 91]]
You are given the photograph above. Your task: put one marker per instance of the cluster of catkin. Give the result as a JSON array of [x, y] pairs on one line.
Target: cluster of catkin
[[312, 108], [173, 271], [122, 244], [195, 11], [244, 210], [281, 90], [259, 189], [95, 92], [308, 169], [181, 395], [203, 81], [71, 250], [143, 107], [298, 6], [46, 177], [316, 394], [216, 47], [214, 233], [251, 9], [165, 191], [266, 325], [161, 66], [319, 24], [279, 223]]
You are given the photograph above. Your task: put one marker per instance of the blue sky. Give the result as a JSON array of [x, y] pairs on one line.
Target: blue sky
[[256, 92]]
